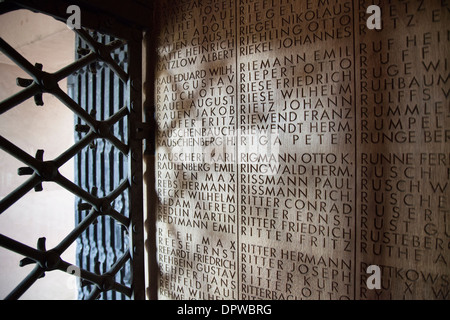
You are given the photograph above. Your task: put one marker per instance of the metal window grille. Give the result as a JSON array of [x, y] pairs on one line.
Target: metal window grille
[[105, 97]]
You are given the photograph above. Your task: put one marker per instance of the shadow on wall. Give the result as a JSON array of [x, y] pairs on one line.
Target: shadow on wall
[[373, 215], [150, 195]]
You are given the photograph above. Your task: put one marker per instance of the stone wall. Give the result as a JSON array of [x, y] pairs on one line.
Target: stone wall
[[296, 147]]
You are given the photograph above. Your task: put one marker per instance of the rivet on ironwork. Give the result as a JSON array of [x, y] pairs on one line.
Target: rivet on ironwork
[[82, 128], [28, 82], [41, 244], [26, 261], [48, 82], [83, 51], [107, 283], [52, 260], [103, 129], [49, 171], [105, 206], [82, 206], [38, 188], [25, 171], [24, 82], [136, 84], [40, 155]]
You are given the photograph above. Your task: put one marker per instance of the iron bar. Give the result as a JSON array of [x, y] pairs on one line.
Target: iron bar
[[73, 150], [19, 97], [26, 283], [75, 66], [95, 293], [19, 192], [112, 271], [124, 185], [119, 217], [19, 154], [20, 248], [117, 143], [116, 268], [79, 229], [116, 68], [96, 125], [83, 274], [112, 285], [114, 45], [18, 59], [104, 281], [117, 116], [135, 164], [93, 44], [74, 107], [50, 260], [72, 187], [104, 54]]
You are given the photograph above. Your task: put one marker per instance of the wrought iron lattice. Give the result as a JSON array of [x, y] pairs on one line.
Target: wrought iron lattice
[[104, 94], [102, 166]]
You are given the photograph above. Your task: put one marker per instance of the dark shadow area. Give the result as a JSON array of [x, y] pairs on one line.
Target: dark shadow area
[[151, 197]]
